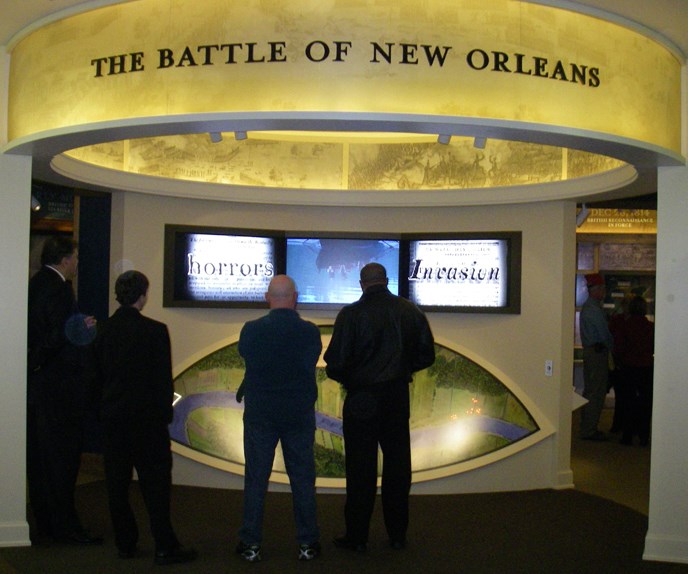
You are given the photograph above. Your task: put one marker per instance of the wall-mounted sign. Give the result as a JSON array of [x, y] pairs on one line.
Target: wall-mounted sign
[[607, 220], [495, 59]]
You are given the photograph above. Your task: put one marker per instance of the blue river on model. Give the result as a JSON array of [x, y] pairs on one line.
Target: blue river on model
[[227, 400]]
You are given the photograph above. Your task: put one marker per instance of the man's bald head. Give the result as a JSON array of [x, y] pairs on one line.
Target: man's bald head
[[281, 293]]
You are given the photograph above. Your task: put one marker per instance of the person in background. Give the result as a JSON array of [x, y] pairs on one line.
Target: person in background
[[597, 343], [637, 352], [617, 376], [57, 393], [133, 375], [377, 344], [281, 351]]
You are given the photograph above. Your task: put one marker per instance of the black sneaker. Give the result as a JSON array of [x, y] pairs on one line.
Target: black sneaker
[[348, 544], [249, 552], [309, 551], [177, 555], [597, 436], [127, 553]]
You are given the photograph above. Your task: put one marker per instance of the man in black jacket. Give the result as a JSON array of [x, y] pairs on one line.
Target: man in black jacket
[[377, 344], [133, 371]]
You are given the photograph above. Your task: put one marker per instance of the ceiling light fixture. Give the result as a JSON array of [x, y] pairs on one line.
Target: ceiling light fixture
[[479, 143]]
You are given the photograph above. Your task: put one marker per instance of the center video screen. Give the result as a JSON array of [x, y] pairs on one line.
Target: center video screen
[[327, 270]]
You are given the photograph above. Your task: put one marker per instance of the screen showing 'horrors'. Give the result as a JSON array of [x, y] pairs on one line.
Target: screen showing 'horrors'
[[220, 267]]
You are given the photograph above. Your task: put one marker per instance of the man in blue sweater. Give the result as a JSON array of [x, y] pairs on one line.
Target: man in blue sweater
[[280, 351], [597, 342]]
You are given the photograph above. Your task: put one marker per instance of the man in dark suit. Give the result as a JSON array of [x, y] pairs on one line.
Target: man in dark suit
[[57, 336], [133, 373]]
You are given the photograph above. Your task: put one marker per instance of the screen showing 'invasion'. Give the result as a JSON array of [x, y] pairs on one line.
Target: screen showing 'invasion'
[[458, 272]]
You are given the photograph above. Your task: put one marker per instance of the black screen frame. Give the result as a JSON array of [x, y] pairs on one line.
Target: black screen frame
[[513, 281], [173, 266]]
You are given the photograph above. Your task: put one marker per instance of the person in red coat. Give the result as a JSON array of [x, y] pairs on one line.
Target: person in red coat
[[637, 354]]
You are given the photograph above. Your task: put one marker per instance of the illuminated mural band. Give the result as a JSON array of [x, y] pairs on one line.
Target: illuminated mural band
[[312, 162], [460, 413]]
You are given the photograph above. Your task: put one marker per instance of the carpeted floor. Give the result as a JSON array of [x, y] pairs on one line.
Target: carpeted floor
[[545, 531], [598, 528]]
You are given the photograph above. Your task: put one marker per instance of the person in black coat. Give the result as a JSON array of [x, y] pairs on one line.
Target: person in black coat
[[133, 374], [57, 338], [377, 344]]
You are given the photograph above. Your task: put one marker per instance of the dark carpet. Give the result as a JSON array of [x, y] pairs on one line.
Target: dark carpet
[[543, 531]]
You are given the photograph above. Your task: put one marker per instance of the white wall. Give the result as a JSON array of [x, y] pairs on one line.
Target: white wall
[[518, 345]]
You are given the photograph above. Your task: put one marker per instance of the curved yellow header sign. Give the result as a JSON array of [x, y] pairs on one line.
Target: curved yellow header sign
[[491, 59]]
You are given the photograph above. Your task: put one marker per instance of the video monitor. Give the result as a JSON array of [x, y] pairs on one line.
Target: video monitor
[[219, 267], [326, 268], [464, 272]]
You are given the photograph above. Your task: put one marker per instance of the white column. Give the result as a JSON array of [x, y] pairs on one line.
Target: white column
[[15, 195], [15, 198], [667, 537]]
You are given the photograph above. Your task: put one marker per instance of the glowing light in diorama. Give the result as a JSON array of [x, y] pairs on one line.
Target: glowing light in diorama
[[176, 398], [35, 204], [456, 435], [475, 409]]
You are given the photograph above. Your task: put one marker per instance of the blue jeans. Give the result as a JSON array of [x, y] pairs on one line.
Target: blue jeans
[[595, 378], [260, 441]]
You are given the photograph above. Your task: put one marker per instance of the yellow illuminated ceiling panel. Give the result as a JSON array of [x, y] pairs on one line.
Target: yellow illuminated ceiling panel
[[495, 59]]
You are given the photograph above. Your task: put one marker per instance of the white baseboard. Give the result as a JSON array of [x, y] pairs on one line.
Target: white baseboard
[[14, 534], [663, 548]]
